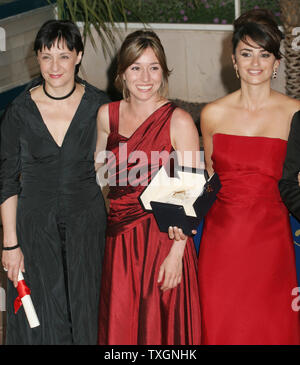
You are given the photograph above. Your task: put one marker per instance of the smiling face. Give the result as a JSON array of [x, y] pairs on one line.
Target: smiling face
[[144, 77], [57, 65], [255, 65]]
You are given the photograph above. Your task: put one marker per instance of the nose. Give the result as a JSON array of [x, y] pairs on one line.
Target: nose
[[145, 75], [255, 60], [54, 65]]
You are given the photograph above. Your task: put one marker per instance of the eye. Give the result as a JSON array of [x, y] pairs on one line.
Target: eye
[[246, 54], [45, 57], [135, 68], [65, 57], [265, 55], [154, 68]]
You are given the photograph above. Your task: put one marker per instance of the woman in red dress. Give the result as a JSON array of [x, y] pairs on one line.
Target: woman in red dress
[[149, 292], [246, 260]]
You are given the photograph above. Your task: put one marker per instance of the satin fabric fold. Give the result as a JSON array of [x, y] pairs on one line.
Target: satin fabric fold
[[246, 259], [133, 309], [52, 182]]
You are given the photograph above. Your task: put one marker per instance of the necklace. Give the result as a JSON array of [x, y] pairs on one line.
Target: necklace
[[59, 97]]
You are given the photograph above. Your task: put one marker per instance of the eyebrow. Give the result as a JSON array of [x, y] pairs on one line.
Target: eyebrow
[[251, 50], [49, 53], [151, 63]]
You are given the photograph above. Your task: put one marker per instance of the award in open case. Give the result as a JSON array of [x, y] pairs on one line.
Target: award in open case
[[182, 200]]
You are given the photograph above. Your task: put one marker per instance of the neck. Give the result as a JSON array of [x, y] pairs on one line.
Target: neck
[[144, 108], [253, 97], [59, 93]]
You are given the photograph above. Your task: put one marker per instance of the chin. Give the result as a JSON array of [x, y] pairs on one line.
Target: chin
[[258, 81]]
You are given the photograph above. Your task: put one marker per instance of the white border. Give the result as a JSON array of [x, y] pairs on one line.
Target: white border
[[171, 26]]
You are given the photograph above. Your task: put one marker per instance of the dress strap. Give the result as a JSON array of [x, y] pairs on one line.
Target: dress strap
[[113, 112]]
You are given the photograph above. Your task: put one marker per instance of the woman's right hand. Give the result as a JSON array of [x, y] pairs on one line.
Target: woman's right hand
[[177, 234], [13, 261]]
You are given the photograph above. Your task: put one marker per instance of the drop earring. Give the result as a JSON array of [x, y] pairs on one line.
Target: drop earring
[[237, 72], [275, 73]]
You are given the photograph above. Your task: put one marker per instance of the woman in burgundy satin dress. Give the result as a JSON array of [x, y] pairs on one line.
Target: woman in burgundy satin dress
[[246, 260], [149, 292]]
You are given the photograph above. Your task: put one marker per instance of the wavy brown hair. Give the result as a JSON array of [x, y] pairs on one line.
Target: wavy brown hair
[[132, 48]]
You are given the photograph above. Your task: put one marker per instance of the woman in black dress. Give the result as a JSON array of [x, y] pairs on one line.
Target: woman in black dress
[[53, 212]]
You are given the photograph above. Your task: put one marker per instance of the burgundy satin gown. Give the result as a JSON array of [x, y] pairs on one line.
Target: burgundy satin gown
[[133, 309], [246, 260]]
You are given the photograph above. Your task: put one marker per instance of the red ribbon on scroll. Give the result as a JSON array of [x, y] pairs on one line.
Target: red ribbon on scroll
[[23, 290]]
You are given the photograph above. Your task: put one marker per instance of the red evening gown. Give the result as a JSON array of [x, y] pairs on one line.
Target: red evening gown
[[133, 309], [246, 259]]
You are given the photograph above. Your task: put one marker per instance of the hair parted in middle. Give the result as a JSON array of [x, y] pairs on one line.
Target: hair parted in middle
[[132, 48]]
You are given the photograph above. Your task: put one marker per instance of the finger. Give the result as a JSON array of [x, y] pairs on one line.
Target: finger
[[167, 285], [181, 234], [10, 273], [177, 234], [173, 283], [167, 282], [160, 274], [22, 267], [178, 281], [15, 274], [4, 265], [171, 233]]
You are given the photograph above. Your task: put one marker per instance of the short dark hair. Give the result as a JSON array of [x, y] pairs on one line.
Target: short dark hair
[[56, 31], [259, 25]]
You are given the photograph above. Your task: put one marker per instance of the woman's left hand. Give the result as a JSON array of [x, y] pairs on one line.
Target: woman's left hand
[[171, 268]]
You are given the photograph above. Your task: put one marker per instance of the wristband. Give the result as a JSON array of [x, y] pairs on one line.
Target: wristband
[[8, 248]]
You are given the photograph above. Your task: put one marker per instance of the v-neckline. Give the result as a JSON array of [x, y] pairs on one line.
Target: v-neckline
[[149, 116], [45, 125]]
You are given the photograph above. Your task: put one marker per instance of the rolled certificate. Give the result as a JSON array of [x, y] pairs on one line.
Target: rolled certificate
[[25, 299]]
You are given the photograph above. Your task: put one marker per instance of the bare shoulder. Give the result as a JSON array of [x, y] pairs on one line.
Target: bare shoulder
[[213, 113], [183, 132], [286, 103], [103, 118], [181, 118]]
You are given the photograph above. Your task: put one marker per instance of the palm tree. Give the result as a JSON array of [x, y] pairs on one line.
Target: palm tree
[[290, 10], [100, 15]]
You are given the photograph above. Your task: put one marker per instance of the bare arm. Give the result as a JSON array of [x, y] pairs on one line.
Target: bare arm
[[102, 135], [207, 136], [12, 260], [184, 138], [10, 169]]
